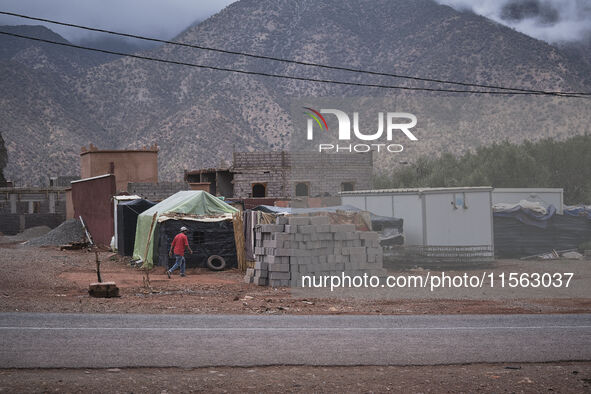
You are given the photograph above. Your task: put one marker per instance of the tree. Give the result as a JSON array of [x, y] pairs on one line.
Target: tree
[[3, 161]]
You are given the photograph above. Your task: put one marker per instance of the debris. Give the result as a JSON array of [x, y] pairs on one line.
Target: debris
[[74, 246], [247, 297], [510, 367], [103, 290], [70, 231], [572, 255], [525, 380]]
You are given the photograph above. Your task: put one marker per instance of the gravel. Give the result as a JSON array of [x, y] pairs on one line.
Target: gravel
[[69, 231], [30, 233]]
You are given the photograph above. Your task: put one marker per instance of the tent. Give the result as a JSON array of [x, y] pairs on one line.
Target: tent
[[194, 205], [127, 214]]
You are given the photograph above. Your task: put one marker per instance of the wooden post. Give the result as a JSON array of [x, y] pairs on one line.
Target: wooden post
[[239, 240]]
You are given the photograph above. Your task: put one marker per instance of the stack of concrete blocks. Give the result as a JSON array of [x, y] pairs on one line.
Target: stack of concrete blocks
[[302, 245]]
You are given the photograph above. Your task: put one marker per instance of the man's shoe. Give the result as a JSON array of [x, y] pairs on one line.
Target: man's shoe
[[168, 274], [183, 275]]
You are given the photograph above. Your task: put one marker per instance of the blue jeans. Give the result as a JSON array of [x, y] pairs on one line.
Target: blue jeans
[[179, 262]]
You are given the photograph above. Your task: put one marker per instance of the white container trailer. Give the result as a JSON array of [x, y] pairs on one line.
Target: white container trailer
[[443, 219], [545, 196]]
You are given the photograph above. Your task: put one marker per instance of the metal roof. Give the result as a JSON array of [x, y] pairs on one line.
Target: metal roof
[[419, 190]]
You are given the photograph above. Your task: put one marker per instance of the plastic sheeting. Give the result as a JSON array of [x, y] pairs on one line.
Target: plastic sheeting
[[193, 202], [127, 214], [578, 210], [205, 239], [521, 232]]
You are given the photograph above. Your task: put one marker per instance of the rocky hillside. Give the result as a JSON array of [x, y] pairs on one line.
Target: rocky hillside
[[198, 116]]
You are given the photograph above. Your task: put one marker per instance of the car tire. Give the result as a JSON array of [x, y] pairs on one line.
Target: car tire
[[216, 263]]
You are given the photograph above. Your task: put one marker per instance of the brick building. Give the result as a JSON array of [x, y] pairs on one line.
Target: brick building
[[286, 175]]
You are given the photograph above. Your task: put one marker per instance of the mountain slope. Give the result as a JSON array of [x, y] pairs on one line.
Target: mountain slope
[[199, 116]]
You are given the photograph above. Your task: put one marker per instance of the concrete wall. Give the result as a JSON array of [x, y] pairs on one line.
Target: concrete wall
[[92, 201], [130, 166], [156, 191], [324, 173], [22, 208]]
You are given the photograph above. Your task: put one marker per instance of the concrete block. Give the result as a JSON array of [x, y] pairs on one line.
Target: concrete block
[[278, 267], [319, 220], [306, 229], [259, 265], [323, 228], [279, 275], [261, 273], [259, 281], [272, 243], [368, 235], [342, 228], [357, 251], [250, 271], [271, 228], [291, 229], [281, 220], [298, 220]]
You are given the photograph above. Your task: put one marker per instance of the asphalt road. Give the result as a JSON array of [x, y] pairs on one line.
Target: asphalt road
[[39, 340]]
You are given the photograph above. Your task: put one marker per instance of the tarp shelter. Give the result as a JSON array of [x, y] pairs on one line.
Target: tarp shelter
[[187, 205], [127, 214], [521, 232]]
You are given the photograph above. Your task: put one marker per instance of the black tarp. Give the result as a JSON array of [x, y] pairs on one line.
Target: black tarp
[[127, 213], [205, 239], [522, 233]]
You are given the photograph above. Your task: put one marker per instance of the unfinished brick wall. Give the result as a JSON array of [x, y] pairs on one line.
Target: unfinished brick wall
[[281, 171], [22, 208], [156, 191], [297, 246]]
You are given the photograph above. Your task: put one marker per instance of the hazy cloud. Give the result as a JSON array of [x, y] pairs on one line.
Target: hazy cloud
[[155, 18], [549, 20]]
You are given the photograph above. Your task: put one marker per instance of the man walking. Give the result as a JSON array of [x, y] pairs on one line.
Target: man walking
[[179, 243]]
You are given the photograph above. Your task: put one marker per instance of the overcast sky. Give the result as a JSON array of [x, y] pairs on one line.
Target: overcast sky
[[549, 20], [154, 18]]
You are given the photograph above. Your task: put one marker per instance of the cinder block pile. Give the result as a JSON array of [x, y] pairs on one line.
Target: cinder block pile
[[302, 245]]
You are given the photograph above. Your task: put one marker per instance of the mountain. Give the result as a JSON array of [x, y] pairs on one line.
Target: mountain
[[199, 116], [67, 62]]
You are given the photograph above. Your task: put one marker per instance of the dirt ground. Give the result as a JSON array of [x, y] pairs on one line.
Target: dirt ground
[[488, 378], [49, 280]]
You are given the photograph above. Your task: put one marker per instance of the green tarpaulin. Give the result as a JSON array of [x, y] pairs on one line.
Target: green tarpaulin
[[194, 202]]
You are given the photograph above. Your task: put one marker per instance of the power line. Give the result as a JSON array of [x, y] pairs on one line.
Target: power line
[[312, 64], [285, 76]]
